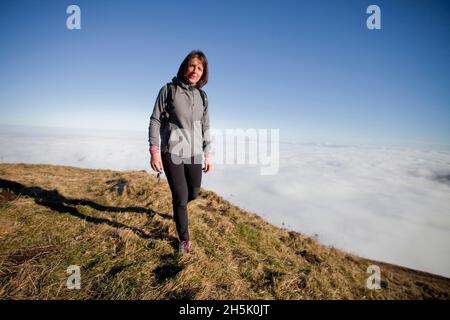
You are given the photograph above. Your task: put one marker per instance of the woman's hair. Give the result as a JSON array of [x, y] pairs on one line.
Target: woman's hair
[[184, 66]]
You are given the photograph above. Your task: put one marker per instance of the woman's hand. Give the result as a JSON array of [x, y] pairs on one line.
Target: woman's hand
[[208, 165], [156, 163]]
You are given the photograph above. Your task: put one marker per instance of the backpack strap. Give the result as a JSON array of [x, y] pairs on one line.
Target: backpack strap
[[204, 98], [171, 91]]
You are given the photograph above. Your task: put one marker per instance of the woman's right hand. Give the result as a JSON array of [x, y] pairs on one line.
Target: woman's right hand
[[156, 163]]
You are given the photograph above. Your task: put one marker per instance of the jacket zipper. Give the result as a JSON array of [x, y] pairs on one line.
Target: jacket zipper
[[192, 125]]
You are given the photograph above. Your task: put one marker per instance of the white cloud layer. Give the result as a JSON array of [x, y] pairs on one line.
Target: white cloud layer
[[388, 204]]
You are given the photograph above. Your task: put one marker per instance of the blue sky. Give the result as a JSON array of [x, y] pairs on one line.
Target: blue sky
[[310, 68]]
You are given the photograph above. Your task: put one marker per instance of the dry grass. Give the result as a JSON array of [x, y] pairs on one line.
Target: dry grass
[[117, 226]]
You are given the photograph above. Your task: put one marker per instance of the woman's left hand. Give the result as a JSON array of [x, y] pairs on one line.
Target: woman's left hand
[[208, 165]]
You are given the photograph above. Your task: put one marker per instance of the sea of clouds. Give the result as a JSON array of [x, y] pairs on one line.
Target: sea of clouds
[[384, 203]]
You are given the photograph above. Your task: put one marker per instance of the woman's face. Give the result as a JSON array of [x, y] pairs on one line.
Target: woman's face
[[194, 71]]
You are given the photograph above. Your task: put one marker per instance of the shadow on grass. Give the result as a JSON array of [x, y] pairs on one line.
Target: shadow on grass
[[55, 201], [170, 266]]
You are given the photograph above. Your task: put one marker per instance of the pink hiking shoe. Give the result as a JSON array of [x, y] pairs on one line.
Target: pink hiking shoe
[[184, 247]]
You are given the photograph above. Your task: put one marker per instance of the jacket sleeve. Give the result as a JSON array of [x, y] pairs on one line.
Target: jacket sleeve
[[206, 133], [155, 119]]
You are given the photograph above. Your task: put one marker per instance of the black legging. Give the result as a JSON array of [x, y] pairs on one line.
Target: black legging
[[184, 182]]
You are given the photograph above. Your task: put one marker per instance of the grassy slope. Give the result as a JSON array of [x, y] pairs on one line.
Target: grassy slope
[[55, 216]]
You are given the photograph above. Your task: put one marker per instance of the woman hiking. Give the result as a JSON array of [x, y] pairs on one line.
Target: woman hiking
[[180, 116]]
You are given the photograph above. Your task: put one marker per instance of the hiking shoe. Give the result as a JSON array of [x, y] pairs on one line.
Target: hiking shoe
[[184, 247]]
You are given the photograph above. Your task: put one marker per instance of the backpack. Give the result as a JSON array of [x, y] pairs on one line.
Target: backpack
[[169, 101]]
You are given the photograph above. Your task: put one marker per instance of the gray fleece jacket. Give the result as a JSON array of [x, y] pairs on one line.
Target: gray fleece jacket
[[187, 131]]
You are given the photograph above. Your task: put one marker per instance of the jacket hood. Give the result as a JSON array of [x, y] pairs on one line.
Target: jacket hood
[[179, 82]]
